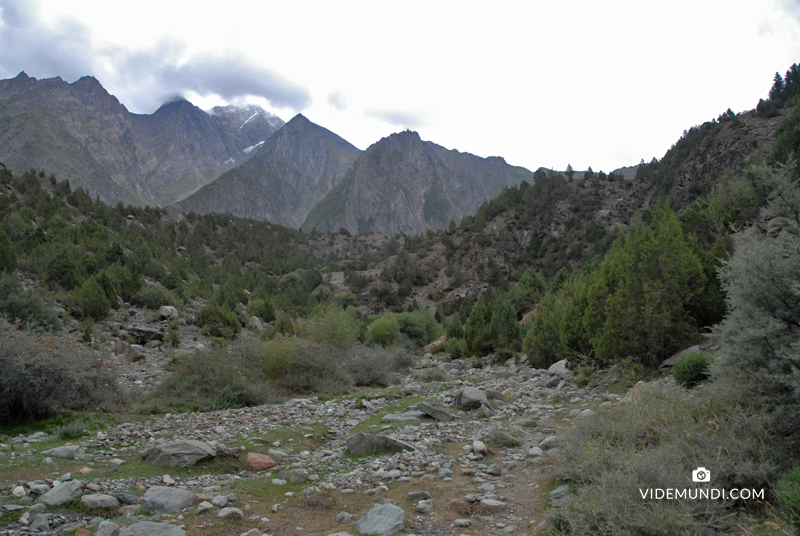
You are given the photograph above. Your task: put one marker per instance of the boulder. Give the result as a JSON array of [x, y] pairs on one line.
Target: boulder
[[146, 334], [40, 523], [230, 511], [99, 500], [260, 462], [470, 398], [560, 368], [180, 453], [167, 312], [106, 528], [363, 443], [408, 416], [382, 520], [161, 499], [494, 395], [63, 493], [425, 506], [150, 528], [440, 414], [255, 323], [69, 451]]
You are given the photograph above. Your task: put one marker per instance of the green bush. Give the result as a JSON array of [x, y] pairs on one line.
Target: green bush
[[217, 378], [332, 325], [219, 321], [543, 340], [153, 298], [371, 366], [315, 369], [263, 309], [8, 254], [278, 355], [787, 491], [455, 329], [43, 377], [419, 326], [26, 308], [691, 369], [385, 330], [433, 374], [92, 300], [284, 325], [455, 347]]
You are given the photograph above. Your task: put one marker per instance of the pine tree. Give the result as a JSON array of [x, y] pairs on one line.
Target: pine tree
[[503, 328], [639, 305], [476, 333], [777, 87]]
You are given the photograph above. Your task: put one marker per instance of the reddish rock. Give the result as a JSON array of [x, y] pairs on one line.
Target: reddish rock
[[260, 461]]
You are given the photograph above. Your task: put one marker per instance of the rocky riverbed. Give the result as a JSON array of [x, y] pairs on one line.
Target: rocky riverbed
[[468, 455]]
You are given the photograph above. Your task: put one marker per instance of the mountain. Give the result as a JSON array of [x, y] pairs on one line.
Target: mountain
[[82, 133], [289, 174], [402, 184]]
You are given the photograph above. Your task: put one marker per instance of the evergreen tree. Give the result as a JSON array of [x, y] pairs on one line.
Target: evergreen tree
[[503, 328], [476, 332], [777, 87], [8, 254], [638, 306], [92, 300], [543, 340]]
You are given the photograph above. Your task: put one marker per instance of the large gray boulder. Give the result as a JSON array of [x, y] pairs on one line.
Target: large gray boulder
[[162, 499], [167, 312], [470, 398], [363, 443], [63, 493], [180, 453], [99, 500], [382, 520], [150, 528], [67, 451], [440, 414]]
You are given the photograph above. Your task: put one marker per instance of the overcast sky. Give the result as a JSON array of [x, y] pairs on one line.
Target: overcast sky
[[601, 84]]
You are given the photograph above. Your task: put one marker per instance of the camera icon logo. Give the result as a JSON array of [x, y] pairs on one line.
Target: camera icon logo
[[701, 474]]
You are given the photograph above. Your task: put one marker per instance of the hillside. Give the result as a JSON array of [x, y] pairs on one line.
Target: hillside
[[85, 135], [283, 181]]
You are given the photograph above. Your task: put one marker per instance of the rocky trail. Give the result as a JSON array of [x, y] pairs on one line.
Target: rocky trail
[[471, 454]]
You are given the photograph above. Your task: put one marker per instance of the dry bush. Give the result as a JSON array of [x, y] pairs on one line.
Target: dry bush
[[43, 376]]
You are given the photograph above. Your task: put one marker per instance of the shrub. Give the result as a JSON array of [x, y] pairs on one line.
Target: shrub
[[787, 491], [153, 298], [455, 329], [43, 377], [385, 330], [315, 369], [656, 442], [456, 347], [92, 300], [26, 308], [219, 321], [8, 254], [218, 378], [263, 309], [376, 366], [332, 325], [434, 374], [419, 326], [691, 369], [543, 340], [173, 338], [278, 355], [284, 325]]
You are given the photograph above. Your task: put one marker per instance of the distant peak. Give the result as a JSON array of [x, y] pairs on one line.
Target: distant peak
[[22, 76], [299, 118]]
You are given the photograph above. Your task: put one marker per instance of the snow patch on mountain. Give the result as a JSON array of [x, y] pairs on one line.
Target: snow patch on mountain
[[253, 147], [250, 119]]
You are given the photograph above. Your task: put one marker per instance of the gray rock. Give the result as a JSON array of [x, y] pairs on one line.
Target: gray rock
[[440, 414], [149, 528], [425, 507], [230, 511], [62, 494], [382, 520], [408, 416], [167, 312], [126, 498], [551, 441], [220, 501], [106, 528], [559, 494], [204, 507], [70, 451], [180, 453], [146, 334], [344, 518], [494, 395], [552, 381], [297, 477], [363, 443], [125, 349], [559, 368], [99, 500], [535, 451], [161, 499], [40, 523], [494, 470], [418, 495], [255, 323], [470, 398]]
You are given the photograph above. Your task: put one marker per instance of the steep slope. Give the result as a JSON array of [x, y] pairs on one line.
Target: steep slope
[[288, 175], [402, 184], [82, 133]]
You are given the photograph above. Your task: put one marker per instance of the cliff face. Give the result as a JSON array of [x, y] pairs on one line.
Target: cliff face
[[288, 175], [402, 184], [82, 133]]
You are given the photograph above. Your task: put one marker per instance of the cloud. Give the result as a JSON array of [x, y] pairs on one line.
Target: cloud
[[337, 100], [140, 78], [399, 118]]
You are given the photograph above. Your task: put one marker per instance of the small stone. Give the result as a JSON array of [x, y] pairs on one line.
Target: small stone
[[382, 520], [62, 494], [204, 506], [535, 451], [230, 511], [116, 462], [70, 451], [220, 501], [260, 462], [492, 506], [168, 480], [40, 523], [151, 528], [418, 495], [462, 522], [278, 481], [494, 470], [425, 507], [478, 447], [19, 492], [344, 518], [98, 500], [106, 528]]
